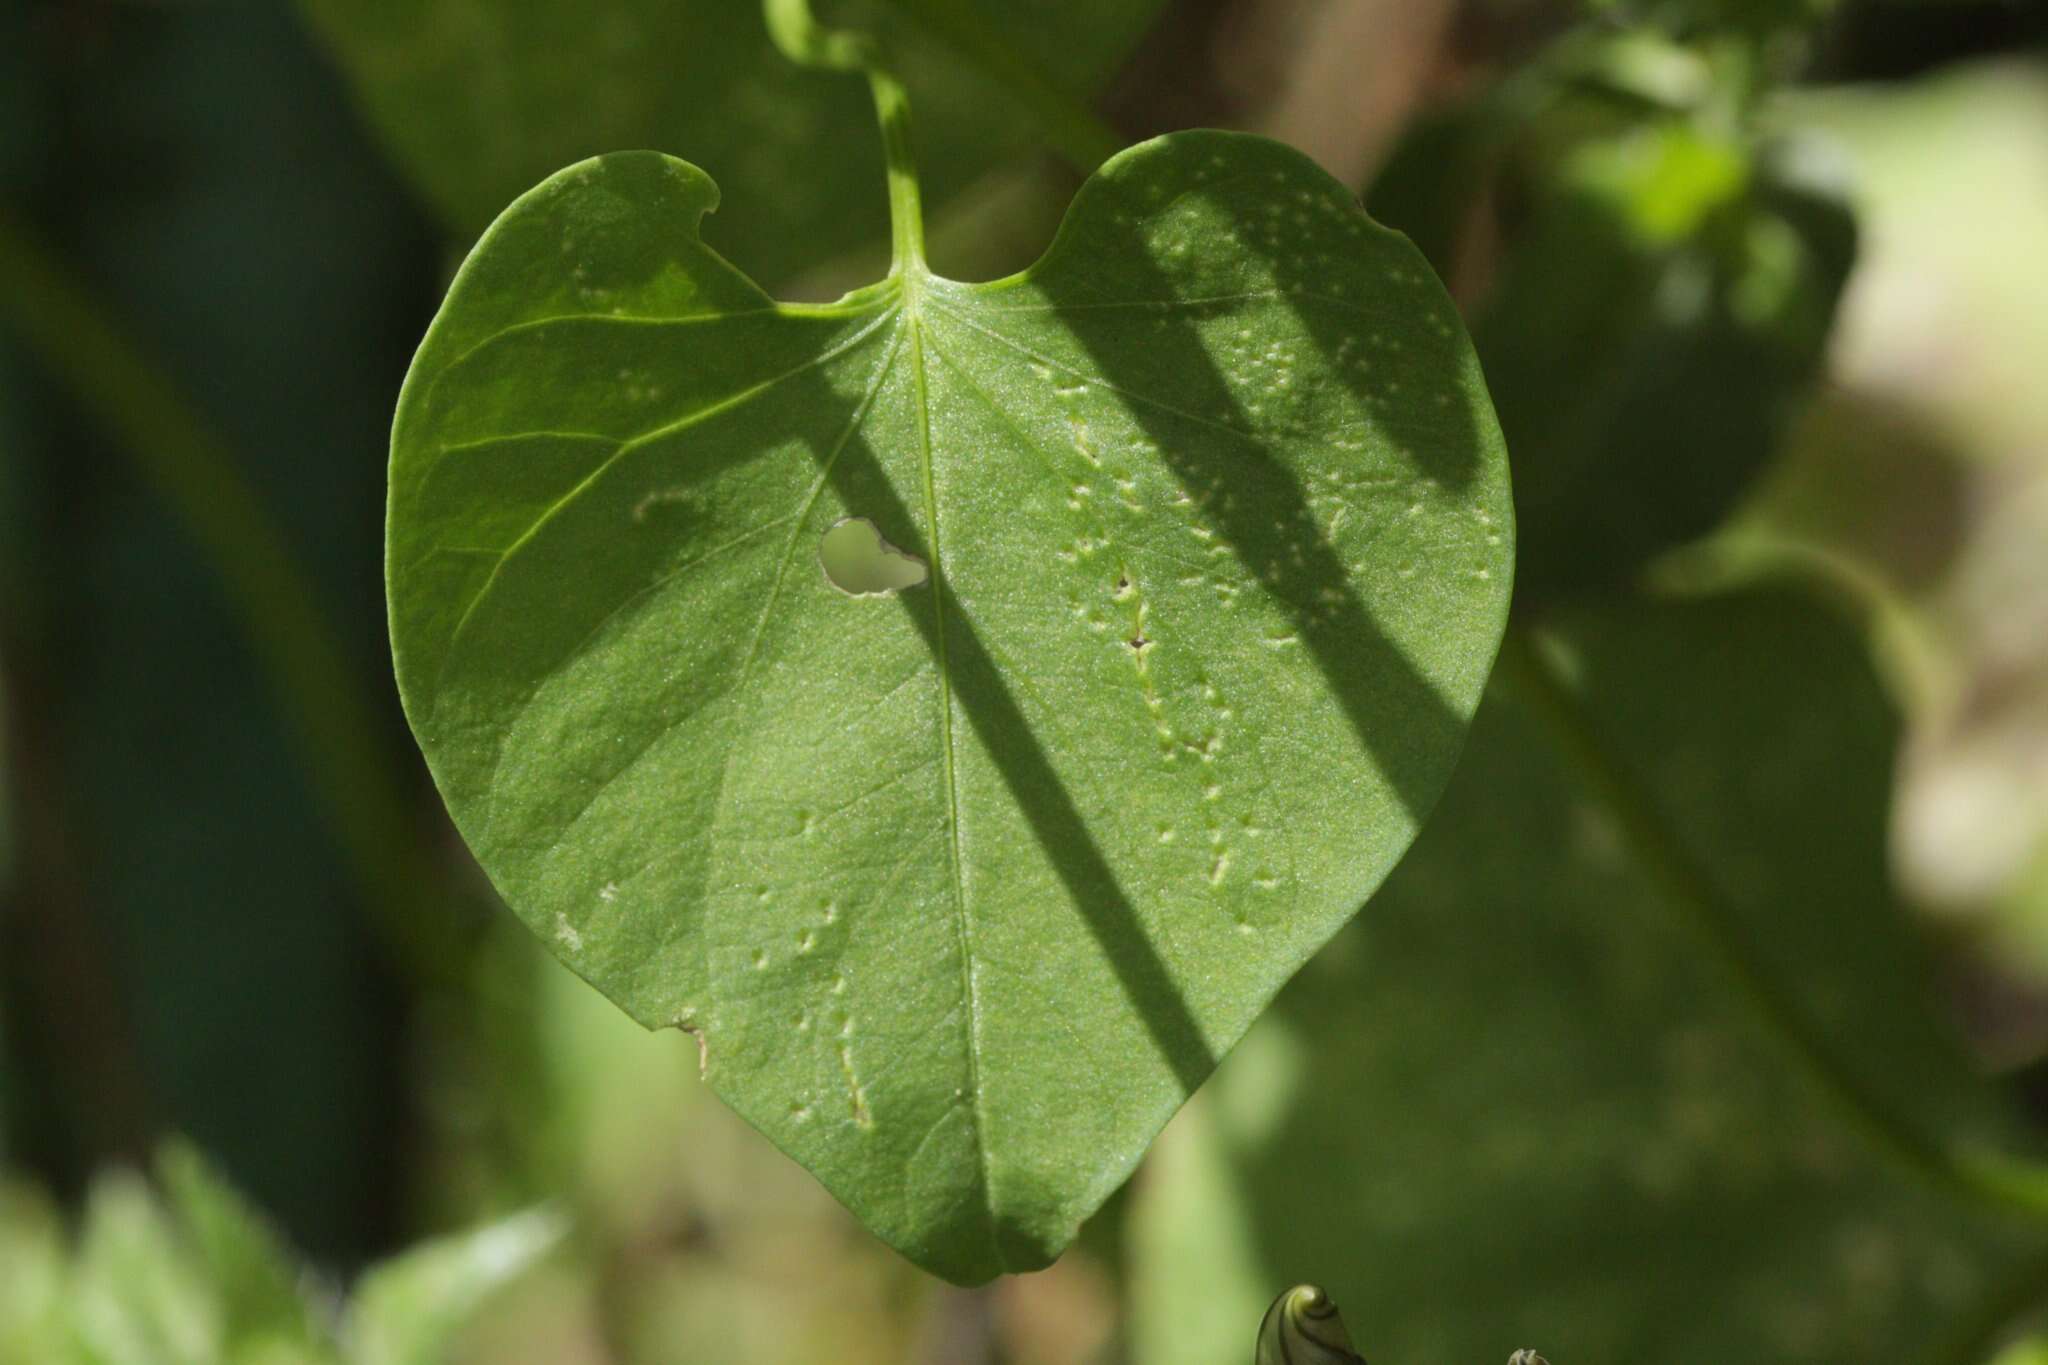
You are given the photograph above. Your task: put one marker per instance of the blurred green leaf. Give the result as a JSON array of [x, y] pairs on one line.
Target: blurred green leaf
[[618, 1098], [1516, 1104], [251, 1271], [139, 1294], [34, 1326], [480, 102], [1650, 336], [736, 1253], [198, 1278], [1658, 302], [1042, 836], [541, 1089], [279, 1351], [1754, 18], [406, 1311]]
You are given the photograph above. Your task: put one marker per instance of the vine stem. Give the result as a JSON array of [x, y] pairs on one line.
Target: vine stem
[[1986, 1179], [906, 207], [1070, 127], [1080, 135], [192, 469], [805, 41]]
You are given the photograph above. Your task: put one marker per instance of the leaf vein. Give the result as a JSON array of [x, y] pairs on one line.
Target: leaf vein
[[636, 443], [970, 995]]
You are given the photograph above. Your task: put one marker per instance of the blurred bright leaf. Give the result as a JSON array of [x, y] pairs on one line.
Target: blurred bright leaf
[[197, 1277], [138, 1294], [1214, 516], [1517, 1105], [252, 1273], [406, 1311], [2032, 1351], [561, 1094], [33, 1325], [481, 101], [1762, 19]]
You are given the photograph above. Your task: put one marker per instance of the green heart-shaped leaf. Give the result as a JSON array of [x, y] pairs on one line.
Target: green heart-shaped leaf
[[965, 885]]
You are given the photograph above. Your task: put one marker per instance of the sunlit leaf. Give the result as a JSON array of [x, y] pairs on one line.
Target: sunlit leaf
[[962, 885]]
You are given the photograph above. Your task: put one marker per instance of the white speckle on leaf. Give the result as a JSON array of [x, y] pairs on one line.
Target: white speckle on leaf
[[658, 498]]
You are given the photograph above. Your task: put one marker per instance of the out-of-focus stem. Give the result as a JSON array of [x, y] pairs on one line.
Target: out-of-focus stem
[[1069, 126], [192, 469]]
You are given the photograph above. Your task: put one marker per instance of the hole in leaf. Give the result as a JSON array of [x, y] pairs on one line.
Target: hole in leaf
[[858, 561]]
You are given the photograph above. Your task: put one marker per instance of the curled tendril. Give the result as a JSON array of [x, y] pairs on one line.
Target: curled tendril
[[1303, 1327]]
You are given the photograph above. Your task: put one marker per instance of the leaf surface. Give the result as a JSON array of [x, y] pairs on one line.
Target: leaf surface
[[1517, 1105], [962, 887]]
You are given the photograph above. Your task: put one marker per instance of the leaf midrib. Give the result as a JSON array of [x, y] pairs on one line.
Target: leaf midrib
[[906, 308], [915, 280]]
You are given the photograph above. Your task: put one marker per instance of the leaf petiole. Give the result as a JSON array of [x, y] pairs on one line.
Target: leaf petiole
[[807, 42], [906, 209], [1071, 129]]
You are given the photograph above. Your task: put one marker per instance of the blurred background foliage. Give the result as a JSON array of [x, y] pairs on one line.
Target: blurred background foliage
[[1759, 288]]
